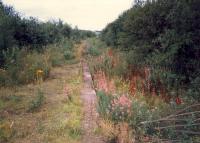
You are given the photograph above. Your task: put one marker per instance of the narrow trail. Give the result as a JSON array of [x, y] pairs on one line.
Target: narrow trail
[[88, 96]]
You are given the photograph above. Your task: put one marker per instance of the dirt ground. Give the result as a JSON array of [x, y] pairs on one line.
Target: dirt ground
[[54, 120]]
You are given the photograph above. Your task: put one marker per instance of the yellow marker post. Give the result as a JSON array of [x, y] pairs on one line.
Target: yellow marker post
[[39, 76]]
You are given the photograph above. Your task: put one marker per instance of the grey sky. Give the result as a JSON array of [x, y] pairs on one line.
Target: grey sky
[[86, 14]]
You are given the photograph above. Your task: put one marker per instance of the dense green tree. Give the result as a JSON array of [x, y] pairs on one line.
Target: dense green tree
[[161, 33], [8, 20]]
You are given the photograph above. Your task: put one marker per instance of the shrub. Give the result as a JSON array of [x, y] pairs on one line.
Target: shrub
[[21, 66], [67, 45], [60, 52], [69, 55], [3, 77], [93, 51], [121, 66], [133, 111], [194, 88], [55, 54], [94, 47], [120, 108]]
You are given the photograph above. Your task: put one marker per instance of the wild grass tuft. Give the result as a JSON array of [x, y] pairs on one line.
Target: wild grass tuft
[[37, 102]]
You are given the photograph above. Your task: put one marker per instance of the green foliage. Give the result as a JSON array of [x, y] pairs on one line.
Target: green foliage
[[2, 77], [194, 88], [156, 119], [69, 55], [107, 64], [163, 35], [37, 102], [93, 51], [67, 44], [94, 47], [12, 98], [77, 34], [21, 66], [139, 111], [121, 69], [32, 33], [74, 128], [56, 56], [103, 103]]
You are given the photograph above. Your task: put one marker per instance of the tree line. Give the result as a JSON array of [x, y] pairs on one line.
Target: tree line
[[31, 33], [163, 33]]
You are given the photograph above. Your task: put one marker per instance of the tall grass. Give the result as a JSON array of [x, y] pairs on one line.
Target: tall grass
[[94, 47], [21, 65], [37, 102]]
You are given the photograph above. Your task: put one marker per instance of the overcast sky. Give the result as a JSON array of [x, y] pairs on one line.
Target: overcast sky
[[86, 14]]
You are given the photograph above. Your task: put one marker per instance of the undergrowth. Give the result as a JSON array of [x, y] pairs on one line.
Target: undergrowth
[[37, 102], [135, 99], [21, 65]]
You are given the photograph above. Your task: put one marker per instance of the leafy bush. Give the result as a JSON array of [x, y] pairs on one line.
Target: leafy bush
[[93, 51], [21, 66], [94, 47], [56, 57], [69, 55], [67, 44]]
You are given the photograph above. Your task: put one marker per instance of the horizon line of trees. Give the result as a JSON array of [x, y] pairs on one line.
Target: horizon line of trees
[[16, 31]]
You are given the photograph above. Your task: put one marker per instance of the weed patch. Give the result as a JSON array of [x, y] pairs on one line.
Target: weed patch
[[37, 102]]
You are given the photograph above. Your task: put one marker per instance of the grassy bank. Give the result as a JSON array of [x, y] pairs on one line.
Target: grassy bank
[[47, 107], [47, 112]]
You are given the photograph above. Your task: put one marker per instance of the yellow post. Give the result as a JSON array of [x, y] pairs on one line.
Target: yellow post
[[39, 76]]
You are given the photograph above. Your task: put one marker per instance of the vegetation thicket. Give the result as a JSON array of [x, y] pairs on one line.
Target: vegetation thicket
[[163, 36], [28, 45], [148, 76]]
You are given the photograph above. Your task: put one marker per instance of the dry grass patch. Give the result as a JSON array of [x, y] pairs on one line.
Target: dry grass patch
[[54, 118]]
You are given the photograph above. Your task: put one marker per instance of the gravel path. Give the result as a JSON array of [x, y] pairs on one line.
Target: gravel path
[[88, 96]]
